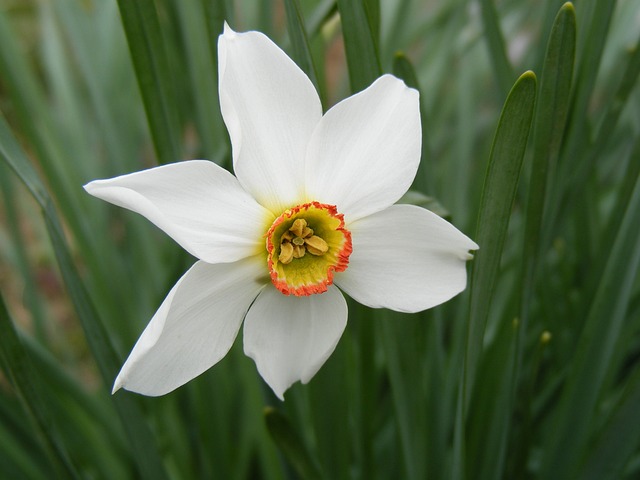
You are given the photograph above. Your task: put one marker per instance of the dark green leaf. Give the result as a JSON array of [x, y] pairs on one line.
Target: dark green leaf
[[300, 41], [21, 373], [291, 444], [144, 36], [596, 347], [618, 440], [498, 194], [362, 55], [145, 454], [497, 50]]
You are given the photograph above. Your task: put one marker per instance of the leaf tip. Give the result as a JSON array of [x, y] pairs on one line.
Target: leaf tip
[[568, 8]]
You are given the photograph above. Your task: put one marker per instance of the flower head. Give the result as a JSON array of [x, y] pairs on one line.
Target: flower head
[[309, 212]]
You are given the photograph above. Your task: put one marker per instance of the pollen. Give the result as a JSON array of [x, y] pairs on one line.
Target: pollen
[[306, 245], [298, 240]]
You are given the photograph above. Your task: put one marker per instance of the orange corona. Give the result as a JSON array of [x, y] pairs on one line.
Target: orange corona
[[306, 245]]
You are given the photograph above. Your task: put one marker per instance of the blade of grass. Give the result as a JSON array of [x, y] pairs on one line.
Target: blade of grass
[[17, 459], [365, 387], [332, 394], [596, 348], [144, 36], [610, 119], [20, 372], [549, 126], [498, 194], [35, 305], [145, 454], [551, 114], [501, 180], [360, 47], [372, 9], [490, 409], [203, 82], [291, 444], [42, 134], [497, 51], [403, 350], [301, 52], [619, 439], [322, 12], [577, 146]]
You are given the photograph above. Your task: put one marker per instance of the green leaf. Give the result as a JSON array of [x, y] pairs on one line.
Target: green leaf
[[291, 444], [497, 50], [146, 456], [498, 194], [144, 36], [590, 50], [626, 86], [400, 336], [596, 347], [372, 9], [300, 41], [362, 55], [21, 373], [619, 438], [202, 78], [550, 119], [577, 172], [491, 407]]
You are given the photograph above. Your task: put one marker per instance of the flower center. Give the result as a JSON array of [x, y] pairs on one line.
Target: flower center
[[305, 246], [298, 240]]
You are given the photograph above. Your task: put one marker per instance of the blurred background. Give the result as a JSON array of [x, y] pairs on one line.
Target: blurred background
[[531, 373]]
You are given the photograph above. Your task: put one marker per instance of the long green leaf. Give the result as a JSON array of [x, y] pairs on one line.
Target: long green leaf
[[144, 36], [596, 348], [579, 172], [490, 409], [362, 56], [291, 444], [498, 194], [497, 50], [20, 371], [590, 50], [400, 338], [301, 52], [202, 76], [551, 114], [618, 440], [146, 456]]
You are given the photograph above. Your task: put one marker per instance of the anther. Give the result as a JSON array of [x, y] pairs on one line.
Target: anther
[[316, 246], [286, 253]]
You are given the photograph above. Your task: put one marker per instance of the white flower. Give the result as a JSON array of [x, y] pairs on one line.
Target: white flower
[[311, 208]]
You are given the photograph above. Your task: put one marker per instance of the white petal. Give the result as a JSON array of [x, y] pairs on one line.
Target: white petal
[[194, 327], [199, 204], [291, 337], [365, 151], [405, 258], [270, 108]]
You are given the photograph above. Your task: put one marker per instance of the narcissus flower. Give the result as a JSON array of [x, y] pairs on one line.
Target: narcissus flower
[[309, 212]]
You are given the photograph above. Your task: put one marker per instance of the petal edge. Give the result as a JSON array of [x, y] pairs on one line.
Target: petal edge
[[405, 258]]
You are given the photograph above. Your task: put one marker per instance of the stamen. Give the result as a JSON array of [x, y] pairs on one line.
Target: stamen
[[298, 251], [299, 239], [298, 227], [291, 237], [316, 246], [286, 253]]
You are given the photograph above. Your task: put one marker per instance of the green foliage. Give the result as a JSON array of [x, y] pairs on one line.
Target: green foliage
[[533, 372]]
